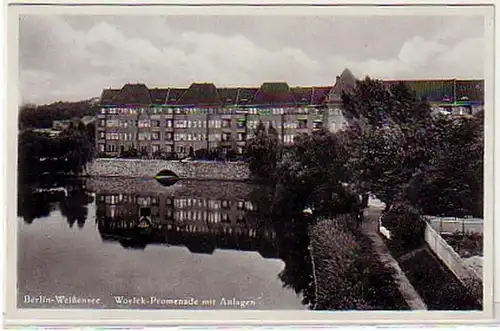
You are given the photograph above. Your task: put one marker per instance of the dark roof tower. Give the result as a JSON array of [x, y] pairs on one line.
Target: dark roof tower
[[344, 83]]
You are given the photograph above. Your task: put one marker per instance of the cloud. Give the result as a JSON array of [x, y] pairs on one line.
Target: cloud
[[60, 61]]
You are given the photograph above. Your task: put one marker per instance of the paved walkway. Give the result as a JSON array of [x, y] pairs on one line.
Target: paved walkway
[[370, 229]]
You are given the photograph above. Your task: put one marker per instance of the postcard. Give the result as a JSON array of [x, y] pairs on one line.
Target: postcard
[[243, 164]]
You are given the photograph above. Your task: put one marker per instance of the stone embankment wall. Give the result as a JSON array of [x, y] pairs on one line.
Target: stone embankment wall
[[149, 168]]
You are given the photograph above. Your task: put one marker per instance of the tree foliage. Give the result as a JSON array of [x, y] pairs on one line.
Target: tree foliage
[[311, 174], [33, 116], [452, 183], [67, 153], [399, 150], [387, 137], [263, 152]]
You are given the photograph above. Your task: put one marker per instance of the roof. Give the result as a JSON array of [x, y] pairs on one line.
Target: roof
[[200, 94], [344, 83], [278, 93], [133, 94], [173, 95], [228, 96], [246, 95], [433, 90], [108, 95], [158, 95], [319, 94], [281, 94], [302, 95], [470, 90]]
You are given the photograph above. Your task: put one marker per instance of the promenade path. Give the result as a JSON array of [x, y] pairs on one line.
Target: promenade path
[[370, 228]]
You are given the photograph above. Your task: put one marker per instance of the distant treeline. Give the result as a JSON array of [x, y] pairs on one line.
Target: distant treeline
[[41, 155], [33, 116]]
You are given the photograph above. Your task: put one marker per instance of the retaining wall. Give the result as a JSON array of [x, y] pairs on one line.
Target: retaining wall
[[149, 168], [472, 279]]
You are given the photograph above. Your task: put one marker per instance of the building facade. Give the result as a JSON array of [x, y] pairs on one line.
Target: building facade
[[176, 121]]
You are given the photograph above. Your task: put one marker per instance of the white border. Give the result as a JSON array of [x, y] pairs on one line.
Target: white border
[[14, 316]]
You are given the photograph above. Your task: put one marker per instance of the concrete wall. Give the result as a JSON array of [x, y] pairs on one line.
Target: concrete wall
[[448, 255], [471, 278], [149, 169]]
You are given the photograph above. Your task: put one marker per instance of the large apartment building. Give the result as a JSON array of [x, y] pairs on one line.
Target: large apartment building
[[202, 116]]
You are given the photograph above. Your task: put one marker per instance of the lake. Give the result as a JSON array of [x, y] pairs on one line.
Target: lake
[[134, 243]]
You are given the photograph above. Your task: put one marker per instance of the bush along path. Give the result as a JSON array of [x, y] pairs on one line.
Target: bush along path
[[347, 273], [369, 228]]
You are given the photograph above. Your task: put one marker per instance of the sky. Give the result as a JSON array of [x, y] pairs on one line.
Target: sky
[[70, 58]]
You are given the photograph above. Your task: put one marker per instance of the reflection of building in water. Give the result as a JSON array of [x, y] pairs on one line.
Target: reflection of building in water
[[200, 224]]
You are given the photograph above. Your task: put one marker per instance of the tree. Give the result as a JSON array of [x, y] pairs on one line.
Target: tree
[[387, 137], [452, 183], [311, 174], [263, 152]]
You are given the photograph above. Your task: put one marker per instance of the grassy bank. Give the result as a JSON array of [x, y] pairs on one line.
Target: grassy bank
[[436, 284], [348, 273]]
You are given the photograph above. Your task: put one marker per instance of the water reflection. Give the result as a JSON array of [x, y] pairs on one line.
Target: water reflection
[[202, 216], [200, 224], [40, 199]]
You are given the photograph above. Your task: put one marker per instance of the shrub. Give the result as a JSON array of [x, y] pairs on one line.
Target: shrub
[[349, 275], [406, 224], [335, 251]]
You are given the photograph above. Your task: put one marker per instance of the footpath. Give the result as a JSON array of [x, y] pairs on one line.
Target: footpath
[[369, 228]]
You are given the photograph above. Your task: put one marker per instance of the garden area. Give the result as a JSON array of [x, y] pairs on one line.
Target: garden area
[[465, 244]]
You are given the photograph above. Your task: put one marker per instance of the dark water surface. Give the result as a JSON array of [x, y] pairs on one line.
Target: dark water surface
[[130, 243]]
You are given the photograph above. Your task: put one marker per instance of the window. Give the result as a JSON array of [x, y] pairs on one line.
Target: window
[[252, 124], [112, 123], [180, 149], [169, 123], [155, 136], [240, 124], [101, 148], [226, 136], [169, 148], [288, 138], [302, 124], [156, 148], [144, 123], [103, 110], [112, 136], [111, 148], [317, 124], [155, 124], [180, 137], [181, 124], [169, 136], [239, 150], [226, 123], [102, 123], [241, 137], [225, 218], [102, 135], [144, 135]]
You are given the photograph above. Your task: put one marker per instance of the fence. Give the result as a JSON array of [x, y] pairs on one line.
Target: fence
[[449, 225]]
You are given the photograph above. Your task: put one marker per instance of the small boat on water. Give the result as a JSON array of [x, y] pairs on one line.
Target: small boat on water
[[167, 177]]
